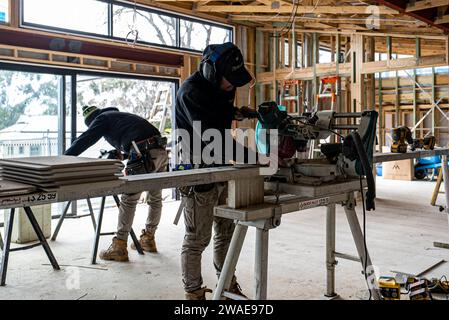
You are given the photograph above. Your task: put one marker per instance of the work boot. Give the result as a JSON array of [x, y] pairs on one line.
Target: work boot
[[146, 242], [116, 252], [235, 288], [199, 294]]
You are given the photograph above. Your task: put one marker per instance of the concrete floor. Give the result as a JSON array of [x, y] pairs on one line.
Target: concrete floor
[[400, 235]]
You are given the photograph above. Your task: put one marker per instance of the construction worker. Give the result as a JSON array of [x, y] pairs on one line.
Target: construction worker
[[126, 132], [208, 97]]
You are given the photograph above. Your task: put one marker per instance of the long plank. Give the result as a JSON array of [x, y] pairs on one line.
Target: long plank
[[385, 157], [133, 184]]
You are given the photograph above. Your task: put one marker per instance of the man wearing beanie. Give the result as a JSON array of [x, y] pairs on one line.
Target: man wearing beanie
[[121, 129], [208, 97]]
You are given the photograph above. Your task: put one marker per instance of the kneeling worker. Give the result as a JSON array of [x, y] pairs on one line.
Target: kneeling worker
[[126, 131]]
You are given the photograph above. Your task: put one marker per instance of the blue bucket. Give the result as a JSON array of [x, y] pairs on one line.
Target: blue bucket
[[379, 169]]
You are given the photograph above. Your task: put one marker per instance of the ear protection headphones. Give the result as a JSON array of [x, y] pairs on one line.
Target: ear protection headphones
[[209, 62]]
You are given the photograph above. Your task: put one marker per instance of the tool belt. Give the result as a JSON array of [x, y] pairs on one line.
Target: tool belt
[[156, 142], [140, 160]]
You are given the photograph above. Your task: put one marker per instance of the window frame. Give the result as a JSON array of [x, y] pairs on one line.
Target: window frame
[[110, 35]]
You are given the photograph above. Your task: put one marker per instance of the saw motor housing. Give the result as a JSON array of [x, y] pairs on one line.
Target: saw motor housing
[[350, 158]]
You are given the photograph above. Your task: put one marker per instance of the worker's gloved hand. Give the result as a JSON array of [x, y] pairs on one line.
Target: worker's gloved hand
[[244, 113]]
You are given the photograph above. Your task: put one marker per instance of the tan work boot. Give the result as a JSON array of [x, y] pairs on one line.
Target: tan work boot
[[236, 289], [116, 252], [199, 294], [147, 242]]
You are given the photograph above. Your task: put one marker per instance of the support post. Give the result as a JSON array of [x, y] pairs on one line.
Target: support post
[[359, 243], [5, 253], [245, 192], [445, 170], [330, 250], [232, 256], [61, 220], [261, 264], [98, 231], [41, 238]]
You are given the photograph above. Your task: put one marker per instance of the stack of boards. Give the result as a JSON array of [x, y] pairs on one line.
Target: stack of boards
[[47, 173], [11, 188]]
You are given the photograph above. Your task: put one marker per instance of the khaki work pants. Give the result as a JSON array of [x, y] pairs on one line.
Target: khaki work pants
[[199, 221], [128, 202]]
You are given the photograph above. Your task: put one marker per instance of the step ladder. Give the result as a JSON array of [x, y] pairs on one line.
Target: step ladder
[[327, 90], [160, 110], [291, 96]]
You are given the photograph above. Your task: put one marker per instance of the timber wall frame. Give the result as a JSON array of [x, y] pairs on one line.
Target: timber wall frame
[[360, 87]]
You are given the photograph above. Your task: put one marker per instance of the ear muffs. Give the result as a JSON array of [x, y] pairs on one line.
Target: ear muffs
[[209, 63]]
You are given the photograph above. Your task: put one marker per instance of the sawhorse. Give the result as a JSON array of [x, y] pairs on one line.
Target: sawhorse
[[97, 227], [98, 232], [6, 246], [267, 216]]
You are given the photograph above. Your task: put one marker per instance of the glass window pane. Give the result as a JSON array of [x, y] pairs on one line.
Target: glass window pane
[[151, 27], [29, 114], [127, 95], [325, 56], [83, 15], [4, 11], [197, 36]]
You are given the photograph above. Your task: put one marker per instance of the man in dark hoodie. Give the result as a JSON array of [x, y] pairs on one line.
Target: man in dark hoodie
[[208, 97], [125, 132]]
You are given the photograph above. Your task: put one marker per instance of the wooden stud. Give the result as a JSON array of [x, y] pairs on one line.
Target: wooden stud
[[245, 192]]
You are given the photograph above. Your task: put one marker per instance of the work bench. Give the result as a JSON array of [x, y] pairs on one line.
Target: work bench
[[131, 184], [443, 152]]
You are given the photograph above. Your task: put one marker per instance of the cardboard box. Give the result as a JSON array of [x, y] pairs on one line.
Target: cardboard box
[[398, 170]]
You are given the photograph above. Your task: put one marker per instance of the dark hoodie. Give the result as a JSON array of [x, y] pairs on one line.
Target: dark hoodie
[[118, 128], [200, 100]]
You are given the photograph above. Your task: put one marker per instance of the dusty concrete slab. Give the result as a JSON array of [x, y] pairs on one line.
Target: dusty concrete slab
[[401, 230]]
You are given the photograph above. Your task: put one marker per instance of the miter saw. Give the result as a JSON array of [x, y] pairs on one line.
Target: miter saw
[[348, 159]]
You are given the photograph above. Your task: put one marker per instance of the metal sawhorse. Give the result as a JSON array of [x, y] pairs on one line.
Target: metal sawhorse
[[267, 216], [6, 246], [97, 227]]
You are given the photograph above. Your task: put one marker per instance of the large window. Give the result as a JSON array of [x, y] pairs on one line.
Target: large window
[[4, 9], [117, 20], [87, 16], [151, 27], [145, 98], [29, 105], [196, 35]]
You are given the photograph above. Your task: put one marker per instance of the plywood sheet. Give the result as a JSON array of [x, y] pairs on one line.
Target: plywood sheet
[[117, 167], [55, 162], [57, 176], [56, 184], [11, 188]]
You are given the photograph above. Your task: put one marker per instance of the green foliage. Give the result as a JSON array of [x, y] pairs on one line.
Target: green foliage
[[18, 90]]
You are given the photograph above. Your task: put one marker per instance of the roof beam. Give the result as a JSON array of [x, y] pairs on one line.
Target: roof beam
[[356, 20], [289, 9], [426, 4], [443, 19]]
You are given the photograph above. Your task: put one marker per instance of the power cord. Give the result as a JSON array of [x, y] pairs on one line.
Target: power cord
[[365, 261]]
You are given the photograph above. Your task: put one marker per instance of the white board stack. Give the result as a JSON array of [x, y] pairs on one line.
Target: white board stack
[[57, 171]]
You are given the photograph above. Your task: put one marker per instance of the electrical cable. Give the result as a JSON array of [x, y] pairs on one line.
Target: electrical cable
[[365, 261]]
